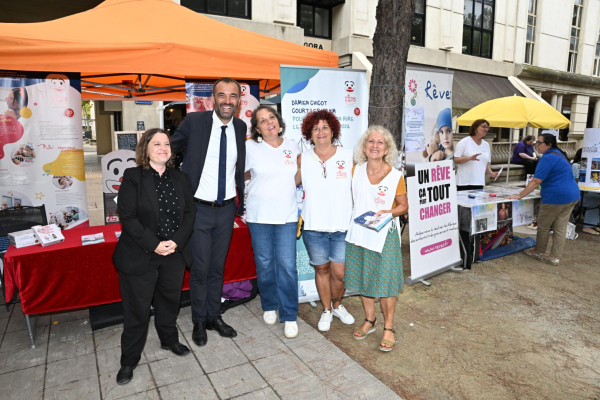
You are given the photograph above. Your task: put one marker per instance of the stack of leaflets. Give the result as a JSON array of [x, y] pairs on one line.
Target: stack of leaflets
[[48, 235], [23, 238], [369, 220], [92, 239]]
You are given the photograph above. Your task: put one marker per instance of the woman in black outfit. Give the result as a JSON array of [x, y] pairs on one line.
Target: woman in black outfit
[[157, 212]]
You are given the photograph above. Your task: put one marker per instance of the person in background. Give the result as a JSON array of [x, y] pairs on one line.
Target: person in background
[[524, 154], [326, 210], [591, 202], [272, 216], [560, 194], [374, 258], [472, 157], [157, 211]]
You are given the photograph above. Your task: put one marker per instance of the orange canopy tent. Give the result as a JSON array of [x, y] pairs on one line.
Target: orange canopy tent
[[147, 48]]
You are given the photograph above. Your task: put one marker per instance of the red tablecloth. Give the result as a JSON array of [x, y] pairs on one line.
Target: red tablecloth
[[68, 275]]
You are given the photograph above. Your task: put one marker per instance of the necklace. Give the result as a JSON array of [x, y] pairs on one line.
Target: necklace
[[376, 172]]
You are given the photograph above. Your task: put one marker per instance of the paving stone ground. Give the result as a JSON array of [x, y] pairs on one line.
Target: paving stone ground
[[72, 362]]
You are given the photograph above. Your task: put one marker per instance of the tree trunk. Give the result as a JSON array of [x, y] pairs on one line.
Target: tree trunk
[[390, 54]]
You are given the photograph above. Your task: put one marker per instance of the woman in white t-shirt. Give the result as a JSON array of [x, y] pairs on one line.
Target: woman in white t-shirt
[[325, 173], [272, 216], [472, 158]]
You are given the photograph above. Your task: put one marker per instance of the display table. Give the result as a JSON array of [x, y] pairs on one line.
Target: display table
[[69, 275], [469, 237], [579, 210]]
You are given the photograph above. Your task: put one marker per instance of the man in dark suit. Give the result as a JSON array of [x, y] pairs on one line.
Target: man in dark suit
[[214, 158]]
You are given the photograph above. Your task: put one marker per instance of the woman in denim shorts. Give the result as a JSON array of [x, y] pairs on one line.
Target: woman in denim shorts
[[326, 175]]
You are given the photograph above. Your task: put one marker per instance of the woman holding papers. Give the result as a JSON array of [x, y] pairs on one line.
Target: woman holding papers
[[326, 210], [272, 216], [157, 211], [374, 258], [472, 158]]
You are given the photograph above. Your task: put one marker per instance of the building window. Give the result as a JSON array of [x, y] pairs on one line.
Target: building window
[[531, 20], [315, 21], [229, 8], [418, 27], [478, 28], [597, 59], [575, 31]]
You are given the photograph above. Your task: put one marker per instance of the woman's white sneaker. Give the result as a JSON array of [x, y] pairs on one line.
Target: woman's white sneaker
[[291, 329], [343, 315], [270, 317], [325, 321]]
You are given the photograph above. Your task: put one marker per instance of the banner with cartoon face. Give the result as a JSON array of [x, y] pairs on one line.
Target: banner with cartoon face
[[342, 91], [198, 97], [41, 145], [113, 165]]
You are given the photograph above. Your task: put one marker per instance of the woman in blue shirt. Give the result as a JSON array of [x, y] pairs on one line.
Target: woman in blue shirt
[[559, 194], [524, 154]]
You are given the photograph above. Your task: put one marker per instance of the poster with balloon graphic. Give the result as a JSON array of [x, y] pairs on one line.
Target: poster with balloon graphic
[[41, 145]]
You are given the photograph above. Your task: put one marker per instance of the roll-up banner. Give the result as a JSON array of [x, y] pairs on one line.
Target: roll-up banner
[[41, 145], [428, 129], [198, 97], [342, 91], [345, 93], [433, 216], [589, 167]]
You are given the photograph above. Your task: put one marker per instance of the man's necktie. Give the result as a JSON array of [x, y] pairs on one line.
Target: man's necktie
[[222, 166]]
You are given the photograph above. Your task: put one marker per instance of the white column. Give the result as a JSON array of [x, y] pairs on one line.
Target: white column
[[596, 120], [559, 103], [554, 100], [579, 113]]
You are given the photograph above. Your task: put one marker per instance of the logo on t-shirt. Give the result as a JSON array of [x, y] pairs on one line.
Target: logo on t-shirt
[[341, 174], [288, 158], [382, 190]]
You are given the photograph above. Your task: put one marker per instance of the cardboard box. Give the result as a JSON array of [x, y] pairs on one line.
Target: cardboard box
[[23, 238]]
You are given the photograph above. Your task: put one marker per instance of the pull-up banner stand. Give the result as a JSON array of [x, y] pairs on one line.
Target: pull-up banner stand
[[41, 145], [433, 216]]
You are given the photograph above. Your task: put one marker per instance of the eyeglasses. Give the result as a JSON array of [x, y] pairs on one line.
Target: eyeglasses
[[538, 142], [324, 169]]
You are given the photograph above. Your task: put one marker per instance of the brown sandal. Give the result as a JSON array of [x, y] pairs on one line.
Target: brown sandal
[[391, 343], [364, 334]]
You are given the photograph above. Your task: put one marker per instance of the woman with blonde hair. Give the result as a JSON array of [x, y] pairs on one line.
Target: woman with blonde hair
[[374, 258]]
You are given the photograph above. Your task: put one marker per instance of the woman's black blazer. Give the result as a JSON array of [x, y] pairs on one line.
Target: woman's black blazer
[[138, 211]]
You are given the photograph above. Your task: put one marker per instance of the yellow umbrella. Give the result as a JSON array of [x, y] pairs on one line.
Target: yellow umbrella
[[516, 112]]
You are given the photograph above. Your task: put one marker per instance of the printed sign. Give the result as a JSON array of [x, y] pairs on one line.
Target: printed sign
[[41, 145], [198, 97], [433, 216], [341, 91], [589, 169], [428, 134]]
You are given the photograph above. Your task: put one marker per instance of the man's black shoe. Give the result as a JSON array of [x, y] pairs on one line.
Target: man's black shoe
[[125, 375], [220, 326], [199, 334], [178, 349]]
